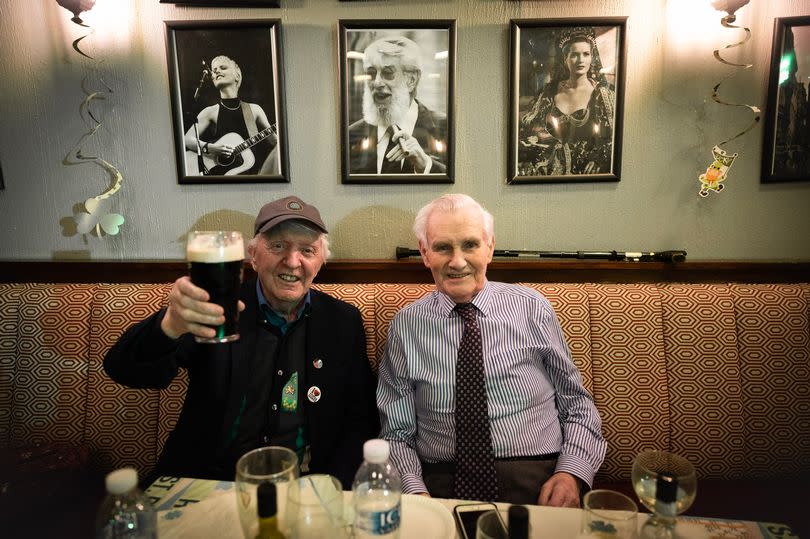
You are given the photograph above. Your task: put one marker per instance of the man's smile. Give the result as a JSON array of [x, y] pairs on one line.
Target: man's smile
[[381, 97]]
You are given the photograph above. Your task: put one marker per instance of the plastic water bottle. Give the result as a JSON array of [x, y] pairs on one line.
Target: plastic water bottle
[[126, 511], [376, 493]]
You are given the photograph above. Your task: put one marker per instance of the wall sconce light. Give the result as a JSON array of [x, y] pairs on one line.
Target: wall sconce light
[[729, 6], [77, 7]]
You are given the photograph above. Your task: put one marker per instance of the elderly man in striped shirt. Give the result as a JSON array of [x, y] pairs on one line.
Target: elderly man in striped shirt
[[477, 392]]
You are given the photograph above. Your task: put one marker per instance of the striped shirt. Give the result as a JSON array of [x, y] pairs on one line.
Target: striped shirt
[[535, 398]]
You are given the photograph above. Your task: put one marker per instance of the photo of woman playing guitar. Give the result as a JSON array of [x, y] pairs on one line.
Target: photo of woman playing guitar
[[231, 136]]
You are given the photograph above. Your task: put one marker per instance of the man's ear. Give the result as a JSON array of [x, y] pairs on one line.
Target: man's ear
[[413, 80], [423, 253], [491, 248], [251, 254]]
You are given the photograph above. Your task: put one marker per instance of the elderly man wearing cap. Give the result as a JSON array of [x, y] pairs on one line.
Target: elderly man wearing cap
[[297, 377]]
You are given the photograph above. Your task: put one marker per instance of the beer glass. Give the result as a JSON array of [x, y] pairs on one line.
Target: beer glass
[[609, 514], [215, 259], [315, 508], [272, 464]]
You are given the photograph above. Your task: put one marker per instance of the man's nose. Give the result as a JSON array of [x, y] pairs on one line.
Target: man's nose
[[292, 258], [457, 260]]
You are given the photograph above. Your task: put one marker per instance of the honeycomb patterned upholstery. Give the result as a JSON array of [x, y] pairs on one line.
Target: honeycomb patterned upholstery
[[717, 372]]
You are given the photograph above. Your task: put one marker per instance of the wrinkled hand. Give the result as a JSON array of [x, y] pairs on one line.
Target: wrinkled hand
[[561, 490], [189, 311], [76, 6], [408, 149]]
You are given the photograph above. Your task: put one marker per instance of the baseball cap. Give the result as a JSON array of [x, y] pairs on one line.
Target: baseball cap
[[285, 209]]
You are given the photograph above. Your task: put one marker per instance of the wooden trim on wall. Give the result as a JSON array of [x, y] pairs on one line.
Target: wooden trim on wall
[[413, 271]]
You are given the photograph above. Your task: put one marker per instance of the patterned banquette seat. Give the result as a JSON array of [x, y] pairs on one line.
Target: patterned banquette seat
[[717, 373]]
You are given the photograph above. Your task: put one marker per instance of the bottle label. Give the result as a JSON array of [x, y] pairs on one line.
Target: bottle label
[[380, 522]]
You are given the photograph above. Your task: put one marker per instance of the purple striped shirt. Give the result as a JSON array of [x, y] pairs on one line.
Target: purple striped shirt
[[536, 401]]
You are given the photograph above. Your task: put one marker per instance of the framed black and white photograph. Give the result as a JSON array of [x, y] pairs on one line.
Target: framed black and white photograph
[[224, 3], [227, 101], [566, 100], [786, 156], [396, 96]]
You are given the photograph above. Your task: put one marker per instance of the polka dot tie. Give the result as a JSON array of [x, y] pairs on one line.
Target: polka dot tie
[[475, 477]]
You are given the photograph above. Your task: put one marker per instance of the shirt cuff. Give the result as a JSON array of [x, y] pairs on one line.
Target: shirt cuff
[[413, 484], [577, 467]]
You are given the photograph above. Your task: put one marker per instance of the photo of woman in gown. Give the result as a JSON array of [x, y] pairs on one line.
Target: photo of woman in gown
[[569, 127]]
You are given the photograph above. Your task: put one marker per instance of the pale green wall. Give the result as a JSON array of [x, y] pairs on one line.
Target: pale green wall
[[670, 125]]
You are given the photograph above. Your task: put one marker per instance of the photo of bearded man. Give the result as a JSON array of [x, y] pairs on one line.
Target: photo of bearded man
[[397, 107]]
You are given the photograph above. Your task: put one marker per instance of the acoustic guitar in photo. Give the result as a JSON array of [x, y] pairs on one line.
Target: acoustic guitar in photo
[[240, 160]]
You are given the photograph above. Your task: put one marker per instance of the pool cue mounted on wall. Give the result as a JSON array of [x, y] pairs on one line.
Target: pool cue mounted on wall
[[630, 256]]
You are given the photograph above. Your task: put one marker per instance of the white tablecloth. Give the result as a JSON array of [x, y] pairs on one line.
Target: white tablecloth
[[199, 509]]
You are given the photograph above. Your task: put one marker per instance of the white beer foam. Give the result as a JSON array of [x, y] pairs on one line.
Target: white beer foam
[[205, 249]]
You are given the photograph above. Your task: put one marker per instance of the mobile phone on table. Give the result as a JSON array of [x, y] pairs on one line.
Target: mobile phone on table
[[467, 514]]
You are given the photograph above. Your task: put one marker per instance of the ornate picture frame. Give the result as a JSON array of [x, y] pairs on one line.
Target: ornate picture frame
[[397, 81], [227, 95], [786, 151], [566, 100]]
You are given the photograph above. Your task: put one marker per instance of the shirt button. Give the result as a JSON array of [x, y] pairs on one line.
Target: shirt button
[[275, 407], [280, 372]]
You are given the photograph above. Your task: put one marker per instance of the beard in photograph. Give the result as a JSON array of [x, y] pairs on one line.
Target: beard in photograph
[[388, 111]]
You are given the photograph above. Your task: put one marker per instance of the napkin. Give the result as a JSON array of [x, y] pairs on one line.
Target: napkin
[[214, 517]]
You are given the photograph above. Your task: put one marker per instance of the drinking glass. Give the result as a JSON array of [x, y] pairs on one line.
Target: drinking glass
[[490, 526], [215, 259], [666, 483], [272, 464], [609, 514], [315, 508]]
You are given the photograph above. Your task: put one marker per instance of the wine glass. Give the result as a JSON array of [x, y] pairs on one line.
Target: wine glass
[[271, 464], [666, 484]]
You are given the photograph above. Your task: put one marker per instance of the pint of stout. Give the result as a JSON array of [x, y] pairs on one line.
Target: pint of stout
[[215, 264]]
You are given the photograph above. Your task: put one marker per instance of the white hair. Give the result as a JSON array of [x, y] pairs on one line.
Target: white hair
[[408, 52], [295, 227], [236, 68], [450, 203]]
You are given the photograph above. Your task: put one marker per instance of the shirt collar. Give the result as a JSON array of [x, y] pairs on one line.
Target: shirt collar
[[482, 301], [275, 318]]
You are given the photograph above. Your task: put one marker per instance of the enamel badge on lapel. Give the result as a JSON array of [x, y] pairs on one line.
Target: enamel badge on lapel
[[314, 394], [289, 394], [317, 363]]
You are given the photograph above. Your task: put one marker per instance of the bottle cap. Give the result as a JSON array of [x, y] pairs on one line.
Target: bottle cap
[[121, 481], [376, 451], [518, 521], [266, 494]]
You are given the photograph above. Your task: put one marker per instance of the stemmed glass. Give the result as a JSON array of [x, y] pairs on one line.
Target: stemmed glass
[[271, 464], [666, 484]]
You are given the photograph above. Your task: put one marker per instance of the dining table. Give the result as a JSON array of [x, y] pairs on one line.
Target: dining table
[[203, 508]]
